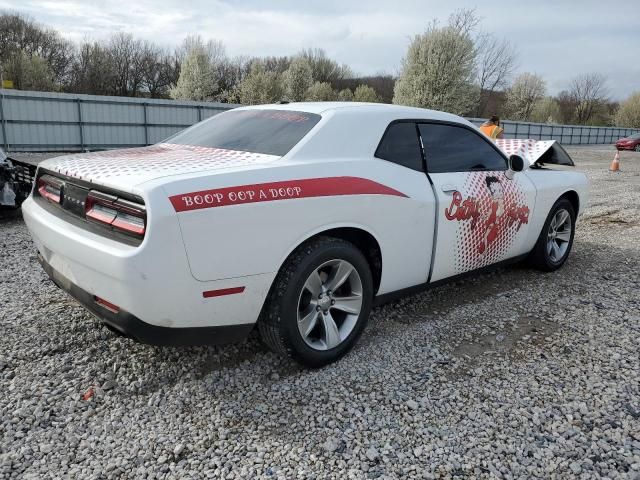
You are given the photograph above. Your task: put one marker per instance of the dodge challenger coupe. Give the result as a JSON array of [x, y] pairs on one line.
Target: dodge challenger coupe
[[297, 218]]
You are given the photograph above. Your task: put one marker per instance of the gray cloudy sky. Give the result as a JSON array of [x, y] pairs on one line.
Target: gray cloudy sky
[[556, 39]]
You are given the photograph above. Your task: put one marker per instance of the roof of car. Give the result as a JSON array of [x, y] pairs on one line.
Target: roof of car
[[398, 111]]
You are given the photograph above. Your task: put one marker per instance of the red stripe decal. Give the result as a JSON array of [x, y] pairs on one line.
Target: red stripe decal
[[268, 192], [223, 291]]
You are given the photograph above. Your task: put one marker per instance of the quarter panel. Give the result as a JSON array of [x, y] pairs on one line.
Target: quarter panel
[[254, 238], [551, 185], [151, 281]]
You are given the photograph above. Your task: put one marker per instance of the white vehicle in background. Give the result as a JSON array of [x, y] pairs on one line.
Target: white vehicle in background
[[298, 218]]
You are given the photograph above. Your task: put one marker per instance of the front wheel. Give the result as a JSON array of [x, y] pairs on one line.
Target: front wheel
[[556, 239], [637, 148], [319, 303]]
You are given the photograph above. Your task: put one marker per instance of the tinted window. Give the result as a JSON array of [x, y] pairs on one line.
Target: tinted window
[[273, 132], [456, 149], [400, 144]]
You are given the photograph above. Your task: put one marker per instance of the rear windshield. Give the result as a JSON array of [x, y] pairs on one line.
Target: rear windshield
[[273, 132]]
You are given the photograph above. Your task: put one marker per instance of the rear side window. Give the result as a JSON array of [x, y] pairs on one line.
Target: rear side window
[[400, 144], [448, 148], [273, 132]]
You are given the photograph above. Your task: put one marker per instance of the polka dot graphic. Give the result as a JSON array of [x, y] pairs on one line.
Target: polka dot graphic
[[162, 159], [500, 214], [530, 150]]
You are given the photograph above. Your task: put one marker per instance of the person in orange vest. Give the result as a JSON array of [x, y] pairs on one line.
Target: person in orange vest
[[491, 128]]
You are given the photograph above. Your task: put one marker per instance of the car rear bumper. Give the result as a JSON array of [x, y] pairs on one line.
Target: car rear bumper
[[625, 147], [150, 285], [131, 326]]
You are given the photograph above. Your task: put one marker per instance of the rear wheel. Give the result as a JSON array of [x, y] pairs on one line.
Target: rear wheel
[[637, 148], [319, 303], [556, 239]]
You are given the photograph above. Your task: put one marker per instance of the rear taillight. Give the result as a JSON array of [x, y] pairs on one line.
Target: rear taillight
[[50, 188], [123, 215]]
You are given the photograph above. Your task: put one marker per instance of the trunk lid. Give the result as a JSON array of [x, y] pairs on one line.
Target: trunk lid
[[125, 169]]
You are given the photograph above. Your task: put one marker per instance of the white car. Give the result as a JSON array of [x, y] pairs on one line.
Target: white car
[[297, 218]]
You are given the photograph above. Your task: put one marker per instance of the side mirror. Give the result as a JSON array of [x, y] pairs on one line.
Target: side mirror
[[516, 164]]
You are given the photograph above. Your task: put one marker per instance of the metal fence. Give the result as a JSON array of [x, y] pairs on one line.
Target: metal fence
[[565, 134], [39, 121]]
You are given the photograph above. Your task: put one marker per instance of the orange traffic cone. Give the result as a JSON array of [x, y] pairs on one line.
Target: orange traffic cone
[[615, 164]]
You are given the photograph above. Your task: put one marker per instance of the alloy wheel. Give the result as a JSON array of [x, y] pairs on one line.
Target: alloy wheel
[[559, 235], [329, 304]]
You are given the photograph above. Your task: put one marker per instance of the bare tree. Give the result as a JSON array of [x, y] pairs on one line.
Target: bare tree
[[464, 20], [160, 70], [275, 64], [495, 62], [232, 72], [589, 93], [92, 70], [126, 53], [494, 59], [567, 106]]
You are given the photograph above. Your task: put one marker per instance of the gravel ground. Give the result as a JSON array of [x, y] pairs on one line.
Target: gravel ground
[[513, 374]]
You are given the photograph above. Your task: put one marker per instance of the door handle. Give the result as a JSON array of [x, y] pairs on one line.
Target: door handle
[[449, 188]]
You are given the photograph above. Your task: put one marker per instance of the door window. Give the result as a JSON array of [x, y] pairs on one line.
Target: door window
[[400, 144], [449, 148]]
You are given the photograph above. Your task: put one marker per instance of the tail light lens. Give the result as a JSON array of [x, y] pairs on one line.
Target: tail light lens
[[50, 188], [122, 215]]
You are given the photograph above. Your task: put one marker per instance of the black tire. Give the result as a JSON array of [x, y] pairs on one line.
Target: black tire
[[278, 322], [540, 257], [637, 148]]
